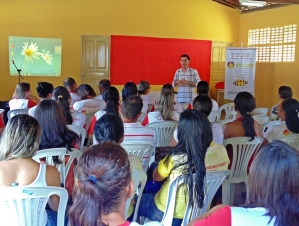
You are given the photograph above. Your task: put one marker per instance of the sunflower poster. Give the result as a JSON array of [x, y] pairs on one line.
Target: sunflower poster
[[35, 56], [239, 71]]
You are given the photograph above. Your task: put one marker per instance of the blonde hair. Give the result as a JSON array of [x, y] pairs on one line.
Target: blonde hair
[[21, 89], [165, 104], [20, 138]]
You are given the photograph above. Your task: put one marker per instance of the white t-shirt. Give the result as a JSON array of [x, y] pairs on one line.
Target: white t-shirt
[[32, 110], [89, 105], [215, 105], [79, 119], [99, 97], [155, 116], [276, 131], [75, 97]]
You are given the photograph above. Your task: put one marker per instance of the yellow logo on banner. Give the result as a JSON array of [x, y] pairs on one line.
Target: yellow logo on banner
[[240, 83]]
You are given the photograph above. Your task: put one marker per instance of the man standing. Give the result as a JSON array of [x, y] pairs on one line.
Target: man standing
[[186, 78]]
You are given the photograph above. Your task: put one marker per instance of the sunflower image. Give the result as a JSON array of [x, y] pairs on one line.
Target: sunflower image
[[46, 56], [30, 52]]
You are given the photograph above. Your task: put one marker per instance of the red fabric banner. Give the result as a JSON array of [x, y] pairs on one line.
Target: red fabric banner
[[156, 59]]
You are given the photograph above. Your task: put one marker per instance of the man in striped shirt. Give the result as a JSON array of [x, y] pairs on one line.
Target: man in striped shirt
[[186, 78]]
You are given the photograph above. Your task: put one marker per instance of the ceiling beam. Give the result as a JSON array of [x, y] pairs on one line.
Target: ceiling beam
[[261, 8], [233, 5], [283, 1]]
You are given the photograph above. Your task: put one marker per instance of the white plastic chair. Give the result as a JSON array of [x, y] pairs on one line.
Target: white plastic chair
[[81, 133], [26, 205], [292, 140], [139, 179], [231, 115], [227, 108], [12, 113], [140, 151], [261, 118], [214, 116], [212, 183], [163, 132], [223, 122], [260, 111], [242, 149], [62, 153]]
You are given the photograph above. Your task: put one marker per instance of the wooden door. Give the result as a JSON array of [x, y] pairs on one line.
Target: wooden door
[[95, 60]]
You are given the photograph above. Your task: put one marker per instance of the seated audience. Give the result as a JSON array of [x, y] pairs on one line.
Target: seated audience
[[203, 89], [103, 184], [19, 143], [284, 92], [177, 106], [111, 98], [195, 137], [147, 97], [71, 85], [164, 109], [129, 89], [103, 84], [22, 97], [204, 104], [55, 134], [63, 98], [273, 192], [44, 91], [88, 104], [288, 114]]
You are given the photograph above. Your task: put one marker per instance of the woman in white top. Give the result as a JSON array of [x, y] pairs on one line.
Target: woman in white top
[[288, 113], [273, 192], [63, 98], [19, 143]]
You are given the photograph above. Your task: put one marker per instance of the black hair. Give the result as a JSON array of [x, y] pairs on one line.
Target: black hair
[[104, 83], [285, 92], [203, 104], [131, 107], [43, 89], [109, 128], [203, 88], [129, 89], [143, 86], [245, 104], [85, 90], [111, 97], [69, 82], [291, 109], [62, 96], [185, 55]]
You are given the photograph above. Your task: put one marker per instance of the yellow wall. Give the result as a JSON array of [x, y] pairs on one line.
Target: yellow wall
[[269, 76], [69, 19]]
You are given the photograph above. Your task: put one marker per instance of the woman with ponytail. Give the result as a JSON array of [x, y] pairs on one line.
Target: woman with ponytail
[[111, 97], [63, 98], [103, 184], [288, 114]]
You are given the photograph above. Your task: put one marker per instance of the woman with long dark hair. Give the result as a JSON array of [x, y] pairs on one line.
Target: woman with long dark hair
[[288, 114], [195, 137], [103, 184], [273, 192]]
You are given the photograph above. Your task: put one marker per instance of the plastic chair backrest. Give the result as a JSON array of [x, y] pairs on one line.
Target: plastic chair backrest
[[214, 116], [141, 117], [81, 133], [231, 115], [140, 150], [139, 179], [243, 149], [227, 108], [26, 205], [12, 113], [163, 131], [261, 118], [223, 122], [260, 111], [292, 140], [269, 124], [88, 119], [212, 183], [62, 153]]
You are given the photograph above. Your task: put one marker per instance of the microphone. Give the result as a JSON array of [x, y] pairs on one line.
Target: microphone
[[18, 70]]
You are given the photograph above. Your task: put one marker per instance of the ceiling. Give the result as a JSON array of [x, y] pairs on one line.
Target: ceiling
[[247, 9]]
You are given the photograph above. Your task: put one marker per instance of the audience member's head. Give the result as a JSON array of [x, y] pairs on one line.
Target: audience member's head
[[129, 89], [203, 88], [53, 125], [131, 108], [111, 97], [104, 84], [22, 91], [203, 104], [273, 182], [44, 90], [288, 112], [165, 104], [103, 184], [167, 87], [285, 92], [245, 104], [143, 87], [63, 98], [20, 138], [85, 91], [70, 84], [109, 128]]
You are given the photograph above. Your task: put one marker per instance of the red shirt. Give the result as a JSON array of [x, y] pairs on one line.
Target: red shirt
[[221, 217]]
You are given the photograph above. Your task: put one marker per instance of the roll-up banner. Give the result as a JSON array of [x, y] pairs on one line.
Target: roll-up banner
[[239, 71]]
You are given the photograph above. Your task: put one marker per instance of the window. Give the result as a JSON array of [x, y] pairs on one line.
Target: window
[[276, 44]]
